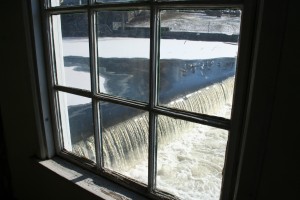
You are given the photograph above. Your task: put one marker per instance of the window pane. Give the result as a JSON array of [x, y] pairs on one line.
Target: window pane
[[123, 53], [125, 140], [198, 51], [190, 159], [71, 47], [77, 125], [56, 3]]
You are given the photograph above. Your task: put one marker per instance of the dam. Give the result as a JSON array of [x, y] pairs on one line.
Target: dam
[[125, 130], [201, 83], [196, 66], [128, 139], [186, 152]]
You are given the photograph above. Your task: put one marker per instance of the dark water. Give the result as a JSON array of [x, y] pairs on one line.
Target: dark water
[[129, 79]]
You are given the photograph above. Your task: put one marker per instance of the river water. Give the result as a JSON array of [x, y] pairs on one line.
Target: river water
[[190, 157]]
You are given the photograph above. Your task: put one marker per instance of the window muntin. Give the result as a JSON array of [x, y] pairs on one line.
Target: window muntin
[[153, 108]]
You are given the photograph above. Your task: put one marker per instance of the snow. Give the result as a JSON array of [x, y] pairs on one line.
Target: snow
[[140, 48], [189, 50], [82, 80], [77, 79], [198, 157]]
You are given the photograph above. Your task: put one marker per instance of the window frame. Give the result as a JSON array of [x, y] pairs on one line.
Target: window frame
[[239, 100]]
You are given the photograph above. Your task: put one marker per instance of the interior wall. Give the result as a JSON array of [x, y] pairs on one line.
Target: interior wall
[[29, 180], [5, 180], [16, 99], [280, 176], [268, 169]]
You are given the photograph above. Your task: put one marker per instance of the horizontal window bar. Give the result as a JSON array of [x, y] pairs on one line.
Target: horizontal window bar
[[136, 186], [124, 102], [214, 121], [72, 9], [64, 10], [75, 91], [217, 122], [179, 4], [106, 173], [146, 5], [116, 177], [75, 158]]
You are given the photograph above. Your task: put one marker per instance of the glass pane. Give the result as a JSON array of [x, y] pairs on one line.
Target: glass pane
[[56, 3], [71, 47], [77, 125], [123, 53], [125, 140], [190, 159], [198, 52]]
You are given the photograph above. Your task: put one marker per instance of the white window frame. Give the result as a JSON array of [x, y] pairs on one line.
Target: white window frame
[[234, 125]]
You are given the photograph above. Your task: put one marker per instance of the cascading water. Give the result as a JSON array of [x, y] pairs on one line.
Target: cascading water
[[125, 145], [207, 100], [197, 61]]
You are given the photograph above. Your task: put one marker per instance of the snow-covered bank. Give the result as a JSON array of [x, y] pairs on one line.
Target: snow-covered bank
[[140, 48], [82, 80], [137, 48]]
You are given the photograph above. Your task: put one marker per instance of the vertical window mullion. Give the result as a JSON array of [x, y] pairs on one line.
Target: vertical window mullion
[[60, 102], [154, 43], [52, 80], [91, 2], [94, 84], [46, 4]]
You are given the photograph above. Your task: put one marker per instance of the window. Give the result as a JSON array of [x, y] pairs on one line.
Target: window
[[142, 91]]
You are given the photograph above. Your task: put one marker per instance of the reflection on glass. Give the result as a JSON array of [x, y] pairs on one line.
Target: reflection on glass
[[71, 47], [56, 3], [198, 51], [125, 140], [123, 53], [77, 125], [190, 159]]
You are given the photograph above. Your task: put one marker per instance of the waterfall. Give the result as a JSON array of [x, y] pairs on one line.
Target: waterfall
[[207, 100], [126, 143]]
